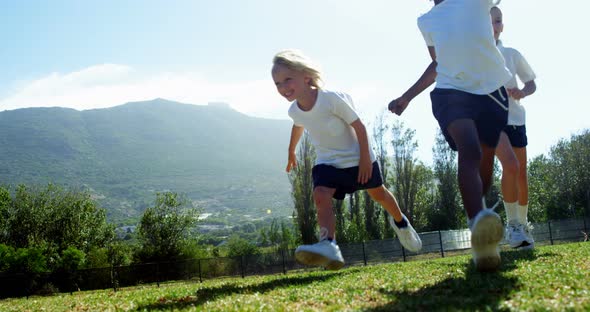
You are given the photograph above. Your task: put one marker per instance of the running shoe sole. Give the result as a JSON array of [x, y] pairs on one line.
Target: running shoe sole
[[485, 239]]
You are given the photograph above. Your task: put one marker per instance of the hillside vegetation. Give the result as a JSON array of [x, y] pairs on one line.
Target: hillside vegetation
[[225, 161]]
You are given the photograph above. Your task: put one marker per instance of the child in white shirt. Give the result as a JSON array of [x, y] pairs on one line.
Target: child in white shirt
[[470, 104]]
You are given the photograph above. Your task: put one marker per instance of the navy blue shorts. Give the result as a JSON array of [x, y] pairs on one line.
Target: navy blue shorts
[[344, 180], [490, 118], [517, 135]]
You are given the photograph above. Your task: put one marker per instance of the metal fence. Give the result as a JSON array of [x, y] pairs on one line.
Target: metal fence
[[435, 244]]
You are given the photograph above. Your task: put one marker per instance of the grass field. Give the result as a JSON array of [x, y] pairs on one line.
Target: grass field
[[547, 279]]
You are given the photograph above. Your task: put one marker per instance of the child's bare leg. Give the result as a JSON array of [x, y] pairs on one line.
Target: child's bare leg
[[523, 184], [464, 134], [510, 169], [322, 197], [386, 199], [402, 227], [486, 167]]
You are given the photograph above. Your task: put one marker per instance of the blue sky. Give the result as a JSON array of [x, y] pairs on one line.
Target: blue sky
[[94, 54]]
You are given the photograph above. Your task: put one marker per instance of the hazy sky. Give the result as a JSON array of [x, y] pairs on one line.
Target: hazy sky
[[94, 54]]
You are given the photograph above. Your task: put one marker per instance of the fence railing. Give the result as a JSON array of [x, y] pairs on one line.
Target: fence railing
[[435, 244]]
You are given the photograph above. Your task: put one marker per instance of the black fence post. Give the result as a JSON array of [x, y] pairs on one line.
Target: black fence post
[[114, 281], [242, 266], [442, 248], [550, 234], [200, 273], [158, 274], [585, 229], [283, 261], [29, 284], [404, 253], [364, 253]]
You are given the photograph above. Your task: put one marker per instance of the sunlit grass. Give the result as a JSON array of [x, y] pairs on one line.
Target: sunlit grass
[[548, 278]]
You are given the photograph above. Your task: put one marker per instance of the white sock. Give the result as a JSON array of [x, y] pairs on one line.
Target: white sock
[[511, 212], [523, 211]]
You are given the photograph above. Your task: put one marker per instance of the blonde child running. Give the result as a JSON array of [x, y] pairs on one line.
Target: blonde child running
[[511, 150], [345, 161], [471, 106]]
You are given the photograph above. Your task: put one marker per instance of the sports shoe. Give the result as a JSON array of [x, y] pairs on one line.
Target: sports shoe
[[519, 235], [407, 235], [486, 233], [529, 242], [325, 253]]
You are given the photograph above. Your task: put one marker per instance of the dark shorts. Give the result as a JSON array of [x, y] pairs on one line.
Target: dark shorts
[[517, 135], [344, 180], [490, 118]]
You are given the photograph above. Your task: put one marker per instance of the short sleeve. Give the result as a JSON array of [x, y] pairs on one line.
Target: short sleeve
[[425, 33], [523, 70], [343, 107], [292, 113], [428, 39], [491, 3]]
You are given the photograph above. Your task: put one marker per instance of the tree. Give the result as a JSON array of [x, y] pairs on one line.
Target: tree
[[53, 218], [164, 228], [406, 182], [238, 246], [571, 164], [278, 234], [354, 225], [543, 192], [559, 185], [447, 210], [341, 220], [302, 190], [377, 224], [5, 202], [423, 200]]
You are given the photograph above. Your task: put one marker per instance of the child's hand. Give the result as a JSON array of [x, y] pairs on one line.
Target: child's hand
[[515, 93], [398, 105], [291, 162], [365, 170]]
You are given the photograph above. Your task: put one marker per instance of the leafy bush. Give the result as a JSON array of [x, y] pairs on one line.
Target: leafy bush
[[72, 259], [29, 260], [6, 255], [165, 227]]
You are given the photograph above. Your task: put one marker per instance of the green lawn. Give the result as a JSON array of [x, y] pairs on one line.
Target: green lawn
[[548, 278]]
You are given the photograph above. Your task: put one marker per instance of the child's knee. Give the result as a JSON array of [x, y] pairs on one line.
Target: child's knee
[[470, 154], [379, 194], [322, 196], [511, 167]]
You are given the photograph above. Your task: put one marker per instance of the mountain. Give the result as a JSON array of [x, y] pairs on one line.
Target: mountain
[[229, 163]]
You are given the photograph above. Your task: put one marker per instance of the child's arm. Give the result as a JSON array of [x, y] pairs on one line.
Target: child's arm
[[398, 105], [365, 165], [529, 88], [296, 133]]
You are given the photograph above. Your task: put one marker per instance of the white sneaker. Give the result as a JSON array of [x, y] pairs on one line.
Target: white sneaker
[[324, 253], [407, 235], [486, 233], [529, 242], [518, 235]]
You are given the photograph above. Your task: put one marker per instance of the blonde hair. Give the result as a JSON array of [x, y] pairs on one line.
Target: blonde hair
[[296, 60]]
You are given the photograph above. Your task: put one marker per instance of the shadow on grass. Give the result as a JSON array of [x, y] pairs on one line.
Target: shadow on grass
[[206, 294], [474, 291], [510, 258]]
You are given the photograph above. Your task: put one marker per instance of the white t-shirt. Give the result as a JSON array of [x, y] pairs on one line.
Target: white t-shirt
[[328, 124], [461, 33], [520, 68]]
